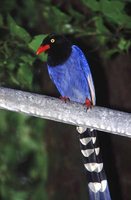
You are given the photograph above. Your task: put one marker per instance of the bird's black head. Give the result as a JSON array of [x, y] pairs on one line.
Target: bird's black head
[[58, 48]]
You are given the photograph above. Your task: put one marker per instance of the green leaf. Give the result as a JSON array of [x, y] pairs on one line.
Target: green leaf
[[114, 11], [93, 5], [100, 27], [57, 20], [27, 59], [19, 195], [17, 31], [77, 15], [10, 64], [24, 75], [35, 43], [109, 52], [101, 30], [124, 44]]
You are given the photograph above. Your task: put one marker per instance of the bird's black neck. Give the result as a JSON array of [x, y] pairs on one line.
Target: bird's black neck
[[59, 54]]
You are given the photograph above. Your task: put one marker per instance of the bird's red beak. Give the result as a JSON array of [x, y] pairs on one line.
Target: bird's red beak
[[42, 48]]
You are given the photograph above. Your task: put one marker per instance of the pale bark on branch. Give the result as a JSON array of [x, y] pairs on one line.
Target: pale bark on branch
[[42, 106]]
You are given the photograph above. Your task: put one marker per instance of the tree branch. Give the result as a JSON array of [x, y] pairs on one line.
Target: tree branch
[[42, 106]]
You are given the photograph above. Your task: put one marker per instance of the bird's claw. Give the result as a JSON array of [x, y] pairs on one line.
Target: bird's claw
[[88, 104], [65, 99]]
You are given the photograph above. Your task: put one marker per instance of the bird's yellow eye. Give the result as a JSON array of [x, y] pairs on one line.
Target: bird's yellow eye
[[52, 40]]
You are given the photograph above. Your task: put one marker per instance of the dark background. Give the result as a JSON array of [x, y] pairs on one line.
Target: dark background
[[40, 159]]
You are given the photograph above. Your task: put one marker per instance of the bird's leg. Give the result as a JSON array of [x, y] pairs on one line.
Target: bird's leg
[[88, 103], [65, 99]]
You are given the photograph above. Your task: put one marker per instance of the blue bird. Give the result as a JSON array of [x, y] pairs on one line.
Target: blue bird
[[70, 72]]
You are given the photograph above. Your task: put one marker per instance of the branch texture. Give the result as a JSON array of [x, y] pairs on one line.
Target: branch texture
[[42, 106]]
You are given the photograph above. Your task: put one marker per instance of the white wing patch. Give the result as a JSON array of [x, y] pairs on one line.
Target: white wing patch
[[92, 89]]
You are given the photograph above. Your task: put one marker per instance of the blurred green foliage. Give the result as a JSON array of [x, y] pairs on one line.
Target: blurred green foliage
[[23, 158], [107, 22]]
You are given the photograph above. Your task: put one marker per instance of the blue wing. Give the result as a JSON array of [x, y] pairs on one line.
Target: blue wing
[[73, 79], [87, 72]]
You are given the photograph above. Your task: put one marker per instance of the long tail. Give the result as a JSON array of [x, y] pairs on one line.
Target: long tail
[[97, 182]]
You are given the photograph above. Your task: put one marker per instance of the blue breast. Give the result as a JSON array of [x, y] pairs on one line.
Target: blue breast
[[70, 78]]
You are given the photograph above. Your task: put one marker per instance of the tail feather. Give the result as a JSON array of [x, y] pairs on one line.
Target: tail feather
[[97, 181], [100, 195]]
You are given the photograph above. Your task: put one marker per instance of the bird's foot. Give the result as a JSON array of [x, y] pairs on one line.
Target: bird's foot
[[88, 103], [65, 99]]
